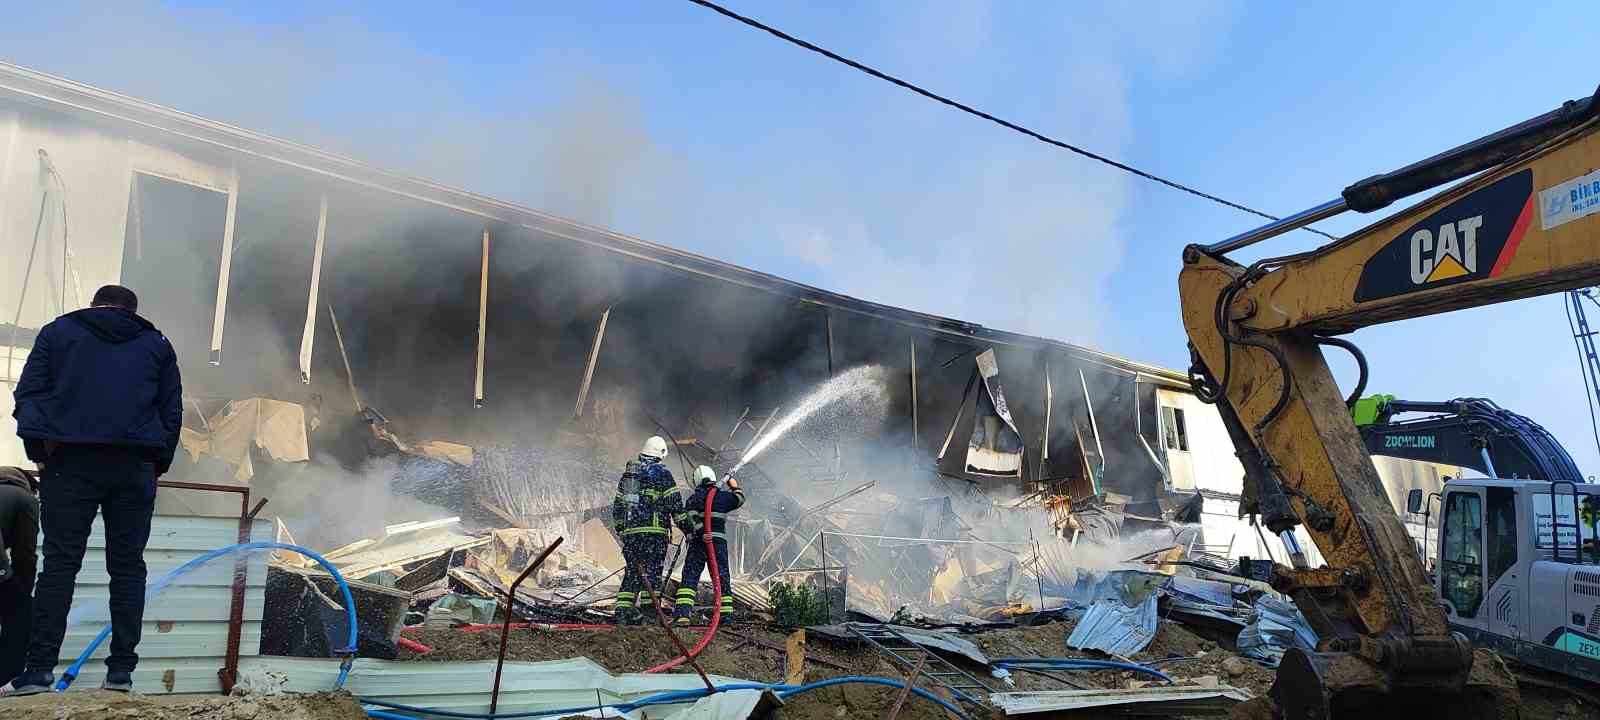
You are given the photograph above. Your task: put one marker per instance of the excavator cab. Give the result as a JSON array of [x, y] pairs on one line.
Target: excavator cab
[[1519, 569], [1524, 220]]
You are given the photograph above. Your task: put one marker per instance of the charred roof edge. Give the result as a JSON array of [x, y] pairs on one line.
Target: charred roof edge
[[65, 95]]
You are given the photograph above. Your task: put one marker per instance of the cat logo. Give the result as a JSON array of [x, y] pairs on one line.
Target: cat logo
[[1449, 252], [1472, 238]]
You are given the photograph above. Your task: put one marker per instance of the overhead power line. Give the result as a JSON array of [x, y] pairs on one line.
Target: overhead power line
[[1041, 137]]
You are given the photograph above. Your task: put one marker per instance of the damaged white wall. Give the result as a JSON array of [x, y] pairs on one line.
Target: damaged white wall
[[84, 175]]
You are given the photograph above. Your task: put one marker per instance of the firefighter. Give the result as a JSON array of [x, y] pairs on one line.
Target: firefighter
[[692, 523], [647, 502]]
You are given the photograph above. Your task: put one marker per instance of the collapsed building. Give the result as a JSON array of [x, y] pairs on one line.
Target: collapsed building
[[367, 349]]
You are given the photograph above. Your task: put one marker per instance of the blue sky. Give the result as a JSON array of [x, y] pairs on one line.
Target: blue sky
[[665, 121]]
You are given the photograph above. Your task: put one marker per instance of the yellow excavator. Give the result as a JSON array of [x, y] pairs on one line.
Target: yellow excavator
[[1524, 220]]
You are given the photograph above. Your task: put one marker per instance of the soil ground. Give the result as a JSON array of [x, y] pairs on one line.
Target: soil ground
[[1175, 650], [103, 705], [634, 649]]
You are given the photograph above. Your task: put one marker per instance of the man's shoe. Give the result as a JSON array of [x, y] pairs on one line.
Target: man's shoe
[[29, 683], [118, 681]]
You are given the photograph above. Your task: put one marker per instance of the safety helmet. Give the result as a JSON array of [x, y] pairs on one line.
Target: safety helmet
[[704, 475], [654, 447]]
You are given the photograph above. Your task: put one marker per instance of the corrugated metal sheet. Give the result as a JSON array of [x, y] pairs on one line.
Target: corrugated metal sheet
[[1111, 627], [935, 639], [186, 627], [1277, 626], [403, 543], [465, 686], [1170, 700]]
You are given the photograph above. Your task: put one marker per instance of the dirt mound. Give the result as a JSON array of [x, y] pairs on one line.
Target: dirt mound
[[635, 649], [1175, 650], [752, 657], [103, 705]]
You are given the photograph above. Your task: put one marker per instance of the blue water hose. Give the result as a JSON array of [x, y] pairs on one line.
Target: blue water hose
[[874, 680], [1078, 664], [349, 652], [664, 698]]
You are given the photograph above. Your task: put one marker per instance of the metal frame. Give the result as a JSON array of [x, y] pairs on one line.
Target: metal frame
[[228, 674], [505, 630], [308, 335], [483, 321], [936, 669]]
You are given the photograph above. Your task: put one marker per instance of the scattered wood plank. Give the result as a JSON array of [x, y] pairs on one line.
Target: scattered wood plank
[[795, 671], [779, 648], [501, 513]]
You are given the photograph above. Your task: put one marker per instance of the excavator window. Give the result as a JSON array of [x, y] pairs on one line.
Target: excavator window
[[1462, 554], [1502, 532]]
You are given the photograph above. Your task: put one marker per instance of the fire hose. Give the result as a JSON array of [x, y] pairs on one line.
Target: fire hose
[[716, 588]]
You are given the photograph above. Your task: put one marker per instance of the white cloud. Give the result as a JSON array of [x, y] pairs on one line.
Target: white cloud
[[1008, 232]]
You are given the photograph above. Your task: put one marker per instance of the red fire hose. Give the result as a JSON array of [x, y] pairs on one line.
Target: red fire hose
[[413, 646], [519, 626], [716, 600]]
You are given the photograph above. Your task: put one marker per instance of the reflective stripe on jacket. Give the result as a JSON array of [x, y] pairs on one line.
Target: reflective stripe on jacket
[[647, 499], [692, 519]]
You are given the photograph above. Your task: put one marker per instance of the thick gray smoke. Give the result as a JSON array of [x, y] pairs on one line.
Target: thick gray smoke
[[1009, 235], [984, 243]]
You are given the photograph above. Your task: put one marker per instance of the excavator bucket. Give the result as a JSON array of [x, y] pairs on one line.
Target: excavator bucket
[[1346, 686]]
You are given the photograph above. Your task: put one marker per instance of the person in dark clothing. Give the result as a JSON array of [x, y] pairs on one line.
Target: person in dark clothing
[[19, 539], [98, 407], [642, 514], [693, 523]]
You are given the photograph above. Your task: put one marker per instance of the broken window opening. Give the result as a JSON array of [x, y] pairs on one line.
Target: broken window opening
[[995, 447], [1174, 429], [172, 258]]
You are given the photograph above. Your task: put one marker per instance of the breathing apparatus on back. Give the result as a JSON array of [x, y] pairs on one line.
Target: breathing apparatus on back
[[629, 490]]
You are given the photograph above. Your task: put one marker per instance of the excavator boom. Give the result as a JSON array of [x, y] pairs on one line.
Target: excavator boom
[[1465, 432], [1528, 223]]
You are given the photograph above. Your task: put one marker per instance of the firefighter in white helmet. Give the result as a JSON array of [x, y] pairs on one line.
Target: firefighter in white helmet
[[693, 524], [647, 502]]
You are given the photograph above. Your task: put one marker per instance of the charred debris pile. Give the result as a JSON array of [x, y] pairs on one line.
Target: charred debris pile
[[965, 534]]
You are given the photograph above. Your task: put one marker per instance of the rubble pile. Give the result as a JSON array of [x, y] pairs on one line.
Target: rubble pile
[[1048, 595]]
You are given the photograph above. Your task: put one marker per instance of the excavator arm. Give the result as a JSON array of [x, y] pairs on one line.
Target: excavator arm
[[1466, 432], [1524, 225]]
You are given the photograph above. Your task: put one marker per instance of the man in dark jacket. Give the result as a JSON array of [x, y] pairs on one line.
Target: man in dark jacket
[[647, 501], [693, 524], [19, 539], [98, 407]]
